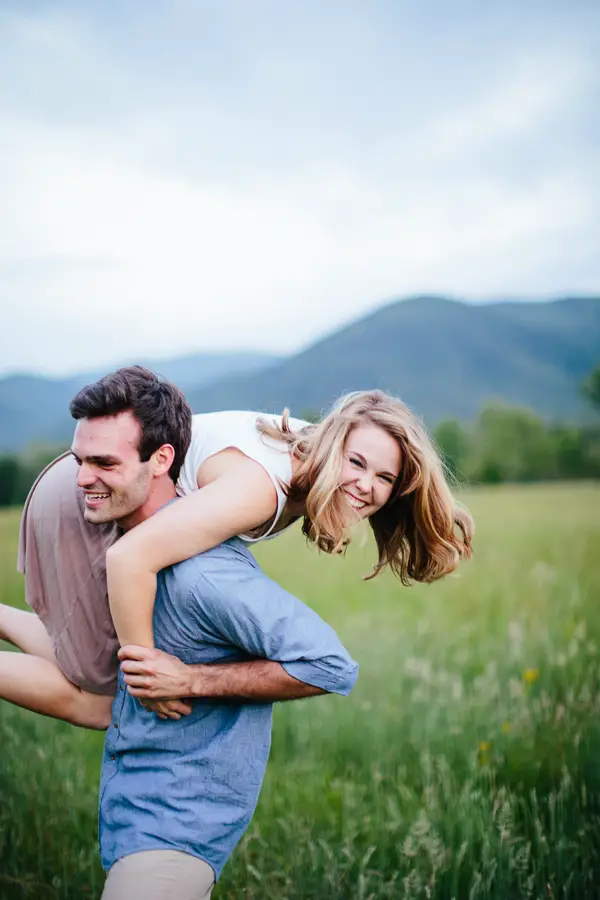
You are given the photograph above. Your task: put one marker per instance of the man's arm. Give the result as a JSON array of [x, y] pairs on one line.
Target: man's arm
[[152, 674], [237, 603]]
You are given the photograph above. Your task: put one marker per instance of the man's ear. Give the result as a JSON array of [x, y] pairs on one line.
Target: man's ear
[[162, 460]]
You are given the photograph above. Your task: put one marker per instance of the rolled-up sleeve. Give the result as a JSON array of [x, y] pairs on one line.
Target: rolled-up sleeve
[[246, 608], [333, 674]]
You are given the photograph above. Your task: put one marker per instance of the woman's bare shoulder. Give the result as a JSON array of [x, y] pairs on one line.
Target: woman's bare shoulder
[[229, 461]]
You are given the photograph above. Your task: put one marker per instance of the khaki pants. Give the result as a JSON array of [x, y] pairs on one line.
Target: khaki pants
[[159, 875]]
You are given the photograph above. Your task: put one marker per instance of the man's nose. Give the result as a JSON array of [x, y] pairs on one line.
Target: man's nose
[[85, 476]]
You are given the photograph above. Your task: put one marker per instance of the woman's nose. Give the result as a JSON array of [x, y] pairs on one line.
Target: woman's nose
[[365, 483]]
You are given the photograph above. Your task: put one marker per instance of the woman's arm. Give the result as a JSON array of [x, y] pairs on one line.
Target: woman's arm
[[239, 497]]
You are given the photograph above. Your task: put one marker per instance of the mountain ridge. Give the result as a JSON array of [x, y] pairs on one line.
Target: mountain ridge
[[34, 408], [443, 357]]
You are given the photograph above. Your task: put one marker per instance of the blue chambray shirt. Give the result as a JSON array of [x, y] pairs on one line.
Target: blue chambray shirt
[[192, 784]]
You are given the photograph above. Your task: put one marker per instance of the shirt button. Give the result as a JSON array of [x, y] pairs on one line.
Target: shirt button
[[112, 756], [121, 688], [115, 724]]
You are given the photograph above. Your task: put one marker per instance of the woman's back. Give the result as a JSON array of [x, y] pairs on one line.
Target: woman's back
[[214, 432]]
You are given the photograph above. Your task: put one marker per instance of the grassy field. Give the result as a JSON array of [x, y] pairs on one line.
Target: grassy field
[[465, 764]]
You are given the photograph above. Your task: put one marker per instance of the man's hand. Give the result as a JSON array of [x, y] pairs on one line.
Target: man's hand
[[158, 679], [153, 675]]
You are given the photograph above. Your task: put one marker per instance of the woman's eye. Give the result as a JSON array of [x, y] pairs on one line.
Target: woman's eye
[[356, 462]]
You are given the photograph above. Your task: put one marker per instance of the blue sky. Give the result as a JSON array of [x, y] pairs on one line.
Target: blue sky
[[180, 175]]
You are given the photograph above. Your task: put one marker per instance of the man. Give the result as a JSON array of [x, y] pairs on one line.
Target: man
[[177, 795], [68, 667]]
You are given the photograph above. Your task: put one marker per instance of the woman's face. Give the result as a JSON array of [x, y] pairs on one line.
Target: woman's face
[[371, 466]]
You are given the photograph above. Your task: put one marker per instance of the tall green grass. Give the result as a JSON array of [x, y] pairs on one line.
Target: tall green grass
[[465, 764]]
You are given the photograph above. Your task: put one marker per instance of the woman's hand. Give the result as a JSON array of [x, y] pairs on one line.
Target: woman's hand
[[167, 709]]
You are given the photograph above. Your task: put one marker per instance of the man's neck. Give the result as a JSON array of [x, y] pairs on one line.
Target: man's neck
[[162, 493]]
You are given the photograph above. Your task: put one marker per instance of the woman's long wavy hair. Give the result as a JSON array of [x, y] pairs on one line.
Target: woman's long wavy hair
[[422, 532]]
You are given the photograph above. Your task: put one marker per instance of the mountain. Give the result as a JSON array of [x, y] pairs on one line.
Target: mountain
[[36, 409], [202, 369], [442, 357]]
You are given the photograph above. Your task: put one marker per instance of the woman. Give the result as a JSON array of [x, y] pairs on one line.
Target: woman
[[370, 457]]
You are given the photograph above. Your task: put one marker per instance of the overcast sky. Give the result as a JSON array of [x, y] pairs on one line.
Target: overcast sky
[[179, 176]]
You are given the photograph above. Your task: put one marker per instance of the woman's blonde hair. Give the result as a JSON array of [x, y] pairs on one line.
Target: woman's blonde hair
[[422, 532]]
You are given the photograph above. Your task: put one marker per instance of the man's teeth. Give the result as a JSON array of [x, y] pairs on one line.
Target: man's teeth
[[97, 496]]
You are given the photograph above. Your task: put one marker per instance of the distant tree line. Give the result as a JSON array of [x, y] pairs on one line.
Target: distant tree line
[[17, 473], [505, 443], [512, 444]]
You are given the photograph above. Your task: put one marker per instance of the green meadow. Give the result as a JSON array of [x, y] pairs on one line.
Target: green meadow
[[465, 764]]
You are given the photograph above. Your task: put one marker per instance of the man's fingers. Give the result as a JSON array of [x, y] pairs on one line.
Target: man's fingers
[[141, 692], [136, 666], [133, 651], [138, 681]]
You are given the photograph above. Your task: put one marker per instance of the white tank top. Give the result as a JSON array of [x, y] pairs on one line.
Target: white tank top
[[213, 432]]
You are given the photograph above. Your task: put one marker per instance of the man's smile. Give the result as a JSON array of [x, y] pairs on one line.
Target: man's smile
[[95, 498]]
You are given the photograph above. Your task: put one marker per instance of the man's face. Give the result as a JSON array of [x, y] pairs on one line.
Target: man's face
[[114, 480]]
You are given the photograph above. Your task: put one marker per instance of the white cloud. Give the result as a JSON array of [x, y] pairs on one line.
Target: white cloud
[[136, 235]]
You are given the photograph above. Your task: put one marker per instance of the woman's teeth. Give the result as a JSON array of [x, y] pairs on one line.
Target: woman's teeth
[[354, 503]]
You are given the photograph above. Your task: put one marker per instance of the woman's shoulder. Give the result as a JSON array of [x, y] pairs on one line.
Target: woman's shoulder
[[217, 431], [239, 429], [224, 419], [206, 426]]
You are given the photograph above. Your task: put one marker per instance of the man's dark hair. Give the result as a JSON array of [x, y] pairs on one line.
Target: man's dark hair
[[159, 406]]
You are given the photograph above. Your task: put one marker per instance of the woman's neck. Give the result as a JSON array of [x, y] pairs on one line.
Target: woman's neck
[[295, 508]]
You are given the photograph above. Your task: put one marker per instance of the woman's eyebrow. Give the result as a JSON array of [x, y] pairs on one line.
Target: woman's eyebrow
[[363, 460]]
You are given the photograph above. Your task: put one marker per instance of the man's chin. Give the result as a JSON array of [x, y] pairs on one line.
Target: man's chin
[[96, 517]]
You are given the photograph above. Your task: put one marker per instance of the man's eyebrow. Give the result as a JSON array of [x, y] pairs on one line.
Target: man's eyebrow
[[99, 460]]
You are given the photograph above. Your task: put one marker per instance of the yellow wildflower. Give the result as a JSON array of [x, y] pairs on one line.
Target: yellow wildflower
[[530, 675], [505, 727], [483, 753]]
